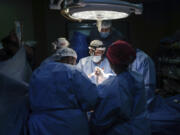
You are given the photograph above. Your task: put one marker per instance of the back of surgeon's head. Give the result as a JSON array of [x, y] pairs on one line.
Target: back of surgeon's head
[[65, 55], [120, 54], [10, 44]]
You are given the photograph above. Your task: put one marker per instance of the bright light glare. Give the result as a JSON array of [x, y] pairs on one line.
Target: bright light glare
[[99, 15]]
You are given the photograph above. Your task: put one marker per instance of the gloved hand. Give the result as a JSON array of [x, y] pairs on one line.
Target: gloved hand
[[99, 75]]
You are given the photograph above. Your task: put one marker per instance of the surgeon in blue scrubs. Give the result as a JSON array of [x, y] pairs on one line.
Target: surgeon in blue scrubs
[[106, 33], [122, 106], [96, 62], [145, 66], [60, 95]]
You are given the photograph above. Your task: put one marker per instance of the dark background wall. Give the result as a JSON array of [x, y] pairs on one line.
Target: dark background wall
[[16, 9], [160, 18], [48, 25], [39, 8]]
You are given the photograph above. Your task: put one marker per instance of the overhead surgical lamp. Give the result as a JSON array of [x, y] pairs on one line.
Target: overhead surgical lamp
[[96, 9]]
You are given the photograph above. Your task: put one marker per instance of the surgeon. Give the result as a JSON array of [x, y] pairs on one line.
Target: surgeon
[[10, 44], [60, 43], [145, 66], [14, 106], [107, 34], [96, 66], [121, 110], [16, 65], [60, 95]]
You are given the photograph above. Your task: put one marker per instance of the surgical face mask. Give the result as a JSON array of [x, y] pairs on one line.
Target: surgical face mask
[[96, 59], [104, 34]]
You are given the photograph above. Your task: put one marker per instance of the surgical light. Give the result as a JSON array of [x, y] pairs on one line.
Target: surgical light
[[95, 9], [98, 10], [98, 15]]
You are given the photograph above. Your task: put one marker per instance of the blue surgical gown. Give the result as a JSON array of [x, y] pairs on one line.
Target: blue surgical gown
[[17, 67], [88, 66], [164, 115], [122, 109], [60, 95], [14, 106], [144, 65], [79, 44]]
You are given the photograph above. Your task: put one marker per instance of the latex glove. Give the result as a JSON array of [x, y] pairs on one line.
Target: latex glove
[[99, 75]]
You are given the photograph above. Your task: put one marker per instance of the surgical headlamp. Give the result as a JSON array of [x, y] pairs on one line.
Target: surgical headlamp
[[95, 9], [102, 48], [97, 45], [93, 49]]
